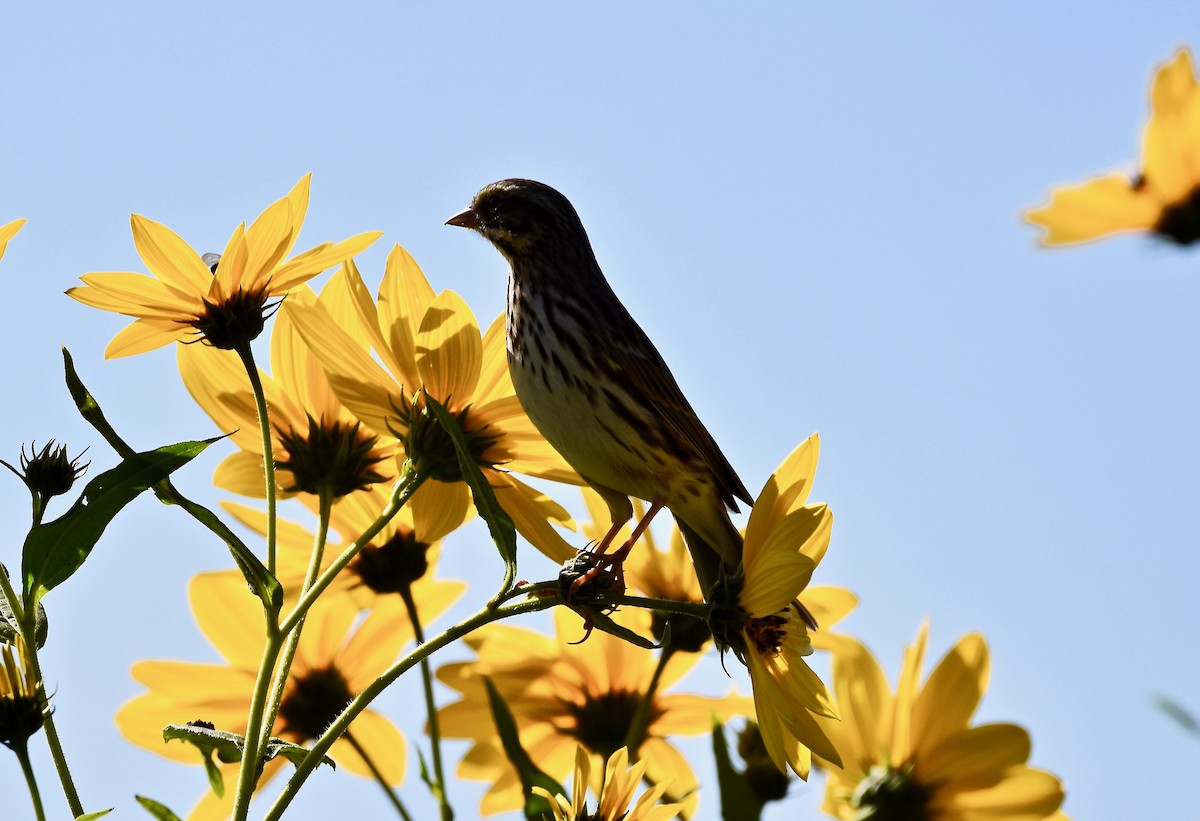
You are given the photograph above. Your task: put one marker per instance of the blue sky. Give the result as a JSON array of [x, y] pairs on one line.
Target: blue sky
[[814, 212]]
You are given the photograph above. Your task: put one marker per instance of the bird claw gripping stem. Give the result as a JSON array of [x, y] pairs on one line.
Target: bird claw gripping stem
[[588, 583]]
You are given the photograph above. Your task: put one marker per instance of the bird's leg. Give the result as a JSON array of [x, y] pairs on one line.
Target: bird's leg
[[615, 563]]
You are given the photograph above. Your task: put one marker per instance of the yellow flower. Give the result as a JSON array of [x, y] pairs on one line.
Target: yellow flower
[[432, 342], [616, 791], [317, 441], [402, 554], [1165, 197], [185, 298], [335, 660], [563, 695], [670, 574], [21, 712], [913, 754], [761, 618], [7, 232]]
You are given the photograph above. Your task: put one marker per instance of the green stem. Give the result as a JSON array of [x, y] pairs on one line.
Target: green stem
[[641, 718], [406, 486], [26, 622], [283, 669], [387, 788], [264, 426], [435, 734], [422, 651], [698, 610], [22, 751], [249, 770]]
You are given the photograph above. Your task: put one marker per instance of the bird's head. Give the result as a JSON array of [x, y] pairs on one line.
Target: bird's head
[[522, 218]]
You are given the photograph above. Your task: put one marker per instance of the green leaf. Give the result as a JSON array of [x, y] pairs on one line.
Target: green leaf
[[228, 746], [738, 801], [92, 816], [604, 623], [54, 550], [159, 811], [536, 807], [499, 523], [260, 580], [9, 627]]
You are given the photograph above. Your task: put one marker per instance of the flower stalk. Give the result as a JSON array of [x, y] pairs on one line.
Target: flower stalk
[[435, 735]]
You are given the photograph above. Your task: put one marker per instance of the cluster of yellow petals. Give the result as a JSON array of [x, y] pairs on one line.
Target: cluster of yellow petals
[[1168, 182], [616, 790]]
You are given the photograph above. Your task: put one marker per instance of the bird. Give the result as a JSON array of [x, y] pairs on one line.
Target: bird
[[595, 386]]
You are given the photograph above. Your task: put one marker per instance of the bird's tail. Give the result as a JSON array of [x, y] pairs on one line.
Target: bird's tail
[[712, 561]]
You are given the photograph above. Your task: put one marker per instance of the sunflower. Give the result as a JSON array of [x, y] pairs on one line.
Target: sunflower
[[431, 343], [21, 712], [669, 574], [7, 232], [567, 695], [318, 443], [334, 661], [225, 304], [760, 616], [913, 754], [1165, 197], [616, 791], [402, 554]]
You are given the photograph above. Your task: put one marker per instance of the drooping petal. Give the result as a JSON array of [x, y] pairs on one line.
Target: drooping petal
[[145, 335], [532, 512]]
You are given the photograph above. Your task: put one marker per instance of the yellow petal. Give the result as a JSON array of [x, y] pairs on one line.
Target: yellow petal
[[358, 381], [531, 512], [383, 743], [7, 232], [1170, 156], [146, 335], [828, 604], [494, 378], [439, 508], [979, 755], [232, 268], [404, 297], [786, 490], [168, 257], [778, 571], [907, 689], [864, 702], [376, 643], [1027, 794], [1093, 209], [242, 473], [268, 240], [305, 266], [449, 350], [349, 293], [134, 295], [229, 615], [951, 694]]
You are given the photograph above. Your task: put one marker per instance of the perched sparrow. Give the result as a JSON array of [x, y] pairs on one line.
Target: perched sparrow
[[594, 384]]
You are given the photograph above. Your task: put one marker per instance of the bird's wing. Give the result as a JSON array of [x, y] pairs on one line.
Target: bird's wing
[[636, 358]]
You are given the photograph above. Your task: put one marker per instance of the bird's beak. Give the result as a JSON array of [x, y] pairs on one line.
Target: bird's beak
[[465, 219]]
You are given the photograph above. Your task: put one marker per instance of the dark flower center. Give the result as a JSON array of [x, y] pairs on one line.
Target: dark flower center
[[432, 449], [48, 472], [762, 776], [889, 794], [688, 633], [314, 700], [393, 566], [602, 721], [337, 457], [236, 320], [1180, 221], [767, 633]]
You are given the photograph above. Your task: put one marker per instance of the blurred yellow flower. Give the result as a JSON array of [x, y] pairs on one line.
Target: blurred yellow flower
[[225, 304], [432, 342], [761, 618], [403, 553], [335, 660], [616, 791], [913, 754], [564, 695], [317, 441], [7, 232], [1165, 197]]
